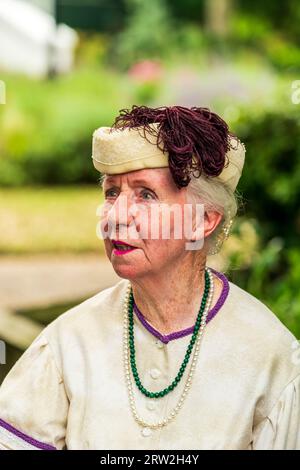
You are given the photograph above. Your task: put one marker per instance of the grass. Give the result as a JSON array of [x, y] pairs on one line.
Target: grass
[[49, 220]]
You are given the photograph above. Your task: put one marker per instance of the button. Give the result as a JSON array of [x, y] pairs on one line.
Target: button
[[146, 432], [151, 405], [159, 343], [155, 373]]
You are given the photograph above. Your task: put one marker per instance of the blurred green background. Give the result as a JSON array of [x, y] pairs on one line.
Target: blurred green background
[[240, 58]]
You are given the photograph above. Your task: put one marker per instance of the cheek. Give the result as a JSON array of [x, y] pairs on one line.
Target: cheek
[[163, 224], [160, 252], [155, 223]]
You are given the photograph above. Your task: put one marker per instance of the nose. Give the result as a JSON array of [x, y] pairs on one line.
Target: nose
[[120, 217]]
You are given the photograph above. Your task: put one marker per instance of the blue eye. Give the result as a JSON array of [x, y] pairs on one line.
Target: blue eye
[[147, 195], [110, 193]]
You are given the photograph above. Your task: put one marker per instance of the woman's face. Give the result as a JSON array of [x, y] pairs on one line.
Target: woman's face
[[136, 211]]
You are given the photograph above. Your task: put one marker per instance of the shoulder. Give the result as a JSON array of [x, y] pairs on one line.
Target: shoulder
[[254, 318], [249, 321], [93, 316], [260, 345], [107, 298]]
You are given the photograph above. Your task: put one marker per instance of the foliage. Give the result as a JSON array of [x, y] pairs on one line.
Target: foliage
[[258, 33], [147, 35], [46, 126], [271, 185], [285, 17]]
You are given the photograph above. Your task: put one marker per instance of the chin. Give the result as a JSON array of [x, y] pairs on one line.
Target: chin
[[130, 272]]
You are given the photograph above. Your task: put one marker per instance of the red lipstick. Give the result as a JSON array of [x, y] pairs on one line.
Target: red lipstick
[[122, 248]]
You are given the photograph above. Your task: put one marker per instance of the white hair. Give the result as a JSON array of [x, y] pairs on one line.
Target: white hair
[[215, 196]]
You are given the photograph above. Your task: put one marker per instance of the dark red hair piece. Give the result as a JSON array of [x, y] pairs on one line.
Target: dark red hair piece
[[183, 133]]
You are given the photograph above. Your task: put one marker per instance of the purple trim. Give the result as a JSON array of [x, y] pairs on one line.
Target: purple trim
[[21, 435], [187, 331]]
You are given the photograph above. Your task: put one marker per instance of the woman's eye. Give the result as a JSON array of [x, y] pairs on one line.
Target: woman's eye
[[147, 195], [111, 193]]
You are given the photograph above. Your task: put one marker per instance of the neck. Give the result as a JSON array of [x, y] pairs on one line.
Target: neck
[[170, 300]]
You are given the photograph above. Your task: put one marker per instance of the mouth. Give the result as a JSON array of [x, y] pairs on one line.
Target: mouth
[[122, 248]]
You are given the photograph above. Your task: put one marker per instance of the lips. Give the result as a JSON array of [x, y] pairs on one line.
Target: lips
[[118, 244], [121, 248]]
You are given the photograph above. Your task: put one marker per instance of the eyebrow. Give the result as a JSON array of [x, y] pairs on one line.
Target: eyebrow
[[141, 181]]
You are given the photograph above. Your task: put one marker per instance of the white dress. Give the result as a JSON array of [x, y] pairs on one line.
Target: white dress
[[68, 389]]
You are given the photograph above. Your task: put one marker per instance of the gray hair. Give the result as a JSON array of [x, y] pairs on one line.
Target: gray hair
[[215, 196]]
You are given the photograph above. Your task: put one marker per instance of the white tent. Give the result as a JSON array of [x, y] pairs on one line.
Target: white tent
[[30, 41]]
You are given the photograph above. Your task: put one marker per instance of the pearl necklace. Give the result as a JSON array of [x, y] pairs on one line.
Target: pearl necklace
[[126, 361]]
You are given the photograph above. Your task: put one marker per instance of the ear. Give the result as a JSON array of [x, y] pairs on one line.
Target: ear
[[210, 222]]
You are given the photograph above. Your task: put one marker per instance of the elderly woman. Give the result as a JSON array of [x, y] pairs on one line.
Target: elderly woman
[[174, 356]]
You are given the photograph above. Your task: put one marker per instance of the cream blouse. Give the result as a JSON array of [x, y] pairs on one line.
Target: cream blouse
[[68, 389]]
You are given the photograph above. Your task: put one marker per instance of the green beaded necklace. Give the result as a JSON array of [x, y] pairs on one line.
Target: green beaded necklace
[[182, 368]]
